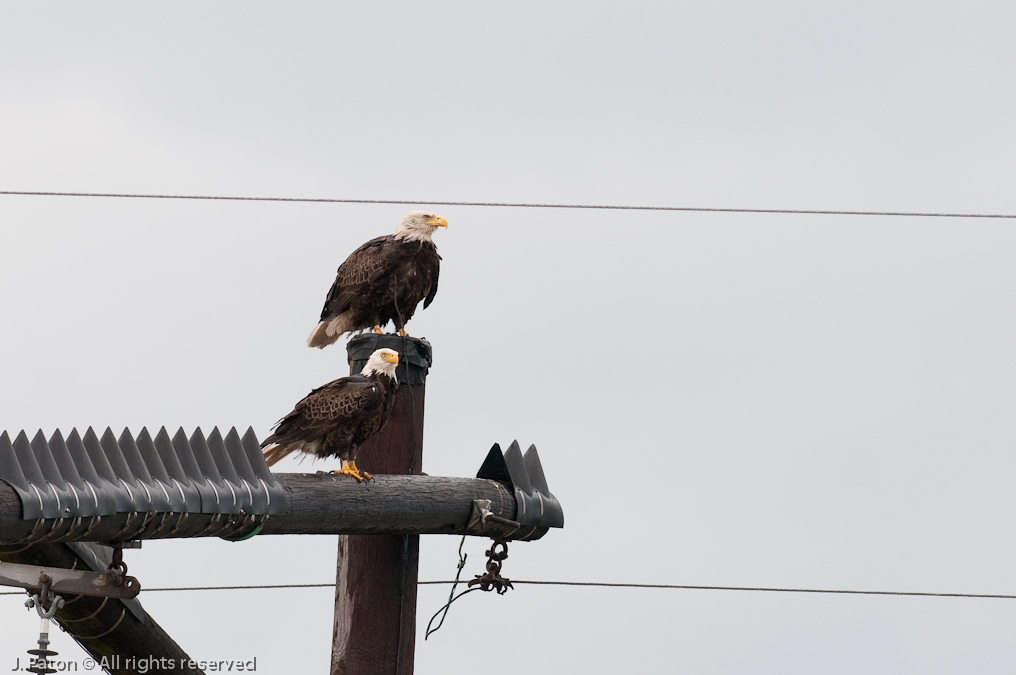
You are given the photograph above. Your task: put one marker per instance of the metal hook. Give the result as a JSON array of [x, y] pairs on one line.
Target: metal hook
[[44, 602], [492, 580]]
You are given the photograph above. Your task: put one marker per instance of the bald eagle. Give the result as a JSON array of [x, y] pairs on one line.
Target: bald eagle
[[335, 419], [383, 280]]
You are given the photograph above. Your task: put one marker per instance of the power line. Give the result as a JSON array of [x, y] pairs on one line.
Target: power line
[[815, 212], [597, 584], [763, 589]]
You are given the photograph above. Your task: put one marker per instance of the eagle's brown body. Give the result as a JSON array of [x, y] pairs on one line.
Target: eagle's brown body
[[384, 280], [335, 419]]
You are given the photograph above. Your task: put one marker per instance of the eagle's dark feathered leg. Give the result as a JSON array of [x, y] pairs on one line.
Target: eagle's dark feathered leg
[[400, 323]]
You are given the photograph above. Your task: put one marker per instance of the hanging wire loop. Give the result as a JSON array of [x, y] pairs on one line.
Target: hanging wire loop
[[451, 594]]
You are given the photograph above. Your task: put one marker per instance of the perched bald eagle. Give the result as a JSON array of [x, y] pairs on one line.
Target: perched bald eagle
[[335, 419], [383, 280]]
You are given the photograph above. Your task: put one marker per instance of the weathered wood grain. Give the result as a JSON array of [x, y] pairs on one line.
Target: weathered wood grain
[[315, 504]]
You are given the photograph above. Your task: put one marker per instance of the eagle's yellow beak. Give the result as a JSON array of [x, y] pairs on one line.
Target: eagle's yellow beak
[[437, 221], [390, 358]]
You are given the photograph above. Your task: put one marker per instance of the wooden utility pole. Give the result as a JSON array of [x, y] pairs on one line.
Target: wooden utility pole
[[376, 575]]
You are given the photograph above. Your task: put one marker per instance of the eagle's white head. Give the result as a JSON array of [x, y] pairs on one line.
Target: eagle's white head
[[382, 361], [418, 226]]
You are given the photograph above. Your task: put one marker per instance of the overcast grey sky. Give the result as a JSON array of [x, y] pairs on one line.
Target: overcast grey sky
[[718, 399]]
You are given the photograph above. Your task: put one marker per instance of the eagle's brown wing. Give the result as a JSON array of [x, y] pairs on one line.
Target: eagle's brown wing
[[362, 268], [330, 420], [433, 269]]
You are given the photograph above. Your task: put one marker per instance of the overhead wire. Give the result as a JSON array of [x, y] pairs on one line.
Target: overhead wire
[[600, 584], [613, 207]]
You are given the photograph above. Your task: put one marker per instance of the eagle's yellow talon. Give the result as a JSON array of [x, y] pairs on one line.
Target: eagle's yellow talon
[[346, 472], [360, 472], [349, 469], [377, 329]]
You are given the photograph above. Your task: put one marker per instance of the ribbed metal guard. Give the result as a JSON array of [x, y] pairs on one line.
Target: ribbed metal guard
[[87, 475], [538, 509]]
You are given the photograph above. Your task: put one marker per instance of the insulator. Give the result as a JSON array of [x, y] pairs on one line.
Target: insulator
[[42, 656]]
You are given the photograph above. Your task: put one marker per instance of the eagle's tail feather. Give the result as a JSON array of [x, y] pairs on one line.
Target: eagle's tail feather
[[276, 451], [328, 331]]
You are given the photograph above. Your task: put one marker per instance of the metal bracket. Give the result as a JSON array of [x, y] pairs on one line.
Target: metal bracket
[[483, 521], [68, 582]]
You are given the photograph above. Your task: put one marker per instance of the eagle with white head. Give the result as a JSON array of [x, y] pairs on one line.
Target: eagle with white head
[[336, 419]]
